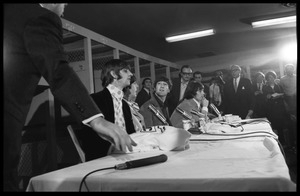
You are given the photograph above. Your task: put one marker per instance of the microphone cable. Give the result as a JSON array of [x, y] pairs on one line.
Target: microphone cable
[[83, 179], [128, 165]]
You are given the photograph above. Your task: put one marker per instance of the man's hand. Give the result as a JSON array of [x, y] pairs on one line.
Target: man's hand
[[205, 102], [249, 115], [112, 133]]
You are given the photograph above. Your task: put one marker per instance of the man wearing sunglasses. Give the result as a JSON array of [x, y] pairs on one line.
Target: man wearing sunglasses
[[179, 87]]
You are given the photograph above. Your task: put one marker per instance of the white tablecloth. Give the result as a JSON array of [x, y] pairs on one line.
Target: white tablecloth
[[248, 164]]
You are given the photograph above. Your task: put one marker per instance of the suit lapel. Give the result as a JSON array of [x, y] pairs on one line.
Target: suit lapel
[[109, 105]]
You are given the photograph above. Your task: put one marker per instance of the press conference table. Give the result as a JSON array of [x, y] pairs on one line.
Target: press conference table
[[246, 164]]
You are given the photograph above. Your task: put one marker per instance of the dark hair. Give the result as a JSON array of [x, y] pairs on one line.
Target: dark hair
[[273, 73], [216, 79], [164, 79], [115, 65], [191, 89], [197, 72], [185, 66], [143, 83]]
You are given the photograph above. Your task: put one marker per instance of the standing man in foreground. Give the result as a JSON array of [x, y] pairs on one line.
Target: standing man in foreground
[[33, 48]]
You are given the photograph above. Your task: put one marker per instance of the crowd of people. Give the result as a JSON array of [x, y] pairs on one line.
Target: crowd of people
[[266, 96]]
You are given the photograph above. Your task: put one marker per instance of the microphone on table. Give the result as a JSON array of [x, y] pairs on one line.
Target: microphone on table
[[215, 109], [184, 113], [158, 114], [197, 113], [142, 162]]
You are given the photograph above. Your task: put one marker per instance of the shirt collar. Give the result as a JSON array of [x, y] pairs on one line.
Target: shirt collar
[[237, 79], [147, 90], [197, 102], [115, 92], [183, 82]]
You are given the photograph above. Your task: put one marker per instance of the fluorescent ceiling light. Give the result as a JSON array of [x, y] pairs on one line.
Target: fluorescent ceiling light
[[193, 35], [275, 21]]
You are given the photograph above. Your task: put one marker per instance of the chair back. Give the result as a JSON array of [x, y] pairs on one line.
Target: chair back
[[76, 143]]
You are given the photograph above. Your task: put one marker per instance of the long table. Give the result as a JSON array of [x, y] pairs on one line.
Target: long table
[[232, 164]]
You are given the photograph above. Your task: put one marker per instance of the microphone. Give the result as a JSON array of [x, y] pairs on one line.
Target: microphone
[[215, 109], [197, 113], [184, 113], [142, 162], [158, 114]]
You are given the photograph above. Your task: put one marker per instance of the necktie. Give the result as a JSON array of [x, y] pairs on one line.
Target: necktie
[[119, 117], [260, 86], [235, 84]]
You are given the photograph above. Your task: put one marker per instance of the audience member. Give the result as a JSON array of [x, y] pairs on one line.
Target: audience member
[[158, 100], [192, 101], [145, 93], [129, 97], [115, 76], [32, 49], [275, 110], [197, 76], [259, 102], [288, 84], [238, 95], [179, 86], [221, 82], [215, 96]]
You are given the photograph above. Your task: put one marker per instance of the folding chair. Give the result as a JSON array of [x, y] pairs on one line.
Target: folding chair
[[76, 143]]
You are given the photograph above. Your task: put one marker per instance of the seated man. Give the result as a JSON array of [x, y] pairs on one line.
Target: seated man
[[190, 107], [155, 110], [130, 96], [115, 76]]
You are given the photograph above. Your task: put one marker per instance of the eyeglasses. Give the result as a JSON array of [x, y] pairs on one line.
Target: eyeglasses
[[234, 70], [187, 74]]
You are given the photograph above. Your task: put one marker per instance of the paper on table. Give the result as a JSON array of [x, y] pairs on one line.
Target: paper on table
[[171, 139]]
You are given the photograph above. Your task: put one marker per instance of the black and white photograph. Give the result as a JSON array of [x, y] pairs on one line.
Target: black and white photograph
[[149, 97]]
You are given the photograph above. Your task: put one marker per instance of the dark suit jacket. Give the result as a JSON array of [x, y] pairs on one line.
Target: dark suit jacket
[[150, 118], [93, 145], [238, 103], [173, 96], [275, 109], [32, 48], [187, 105], [259, 103], [142, 97]]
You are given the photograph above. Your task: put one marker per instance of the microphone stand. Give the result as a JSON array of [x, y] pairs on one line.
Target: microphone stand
[[215, 109]]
